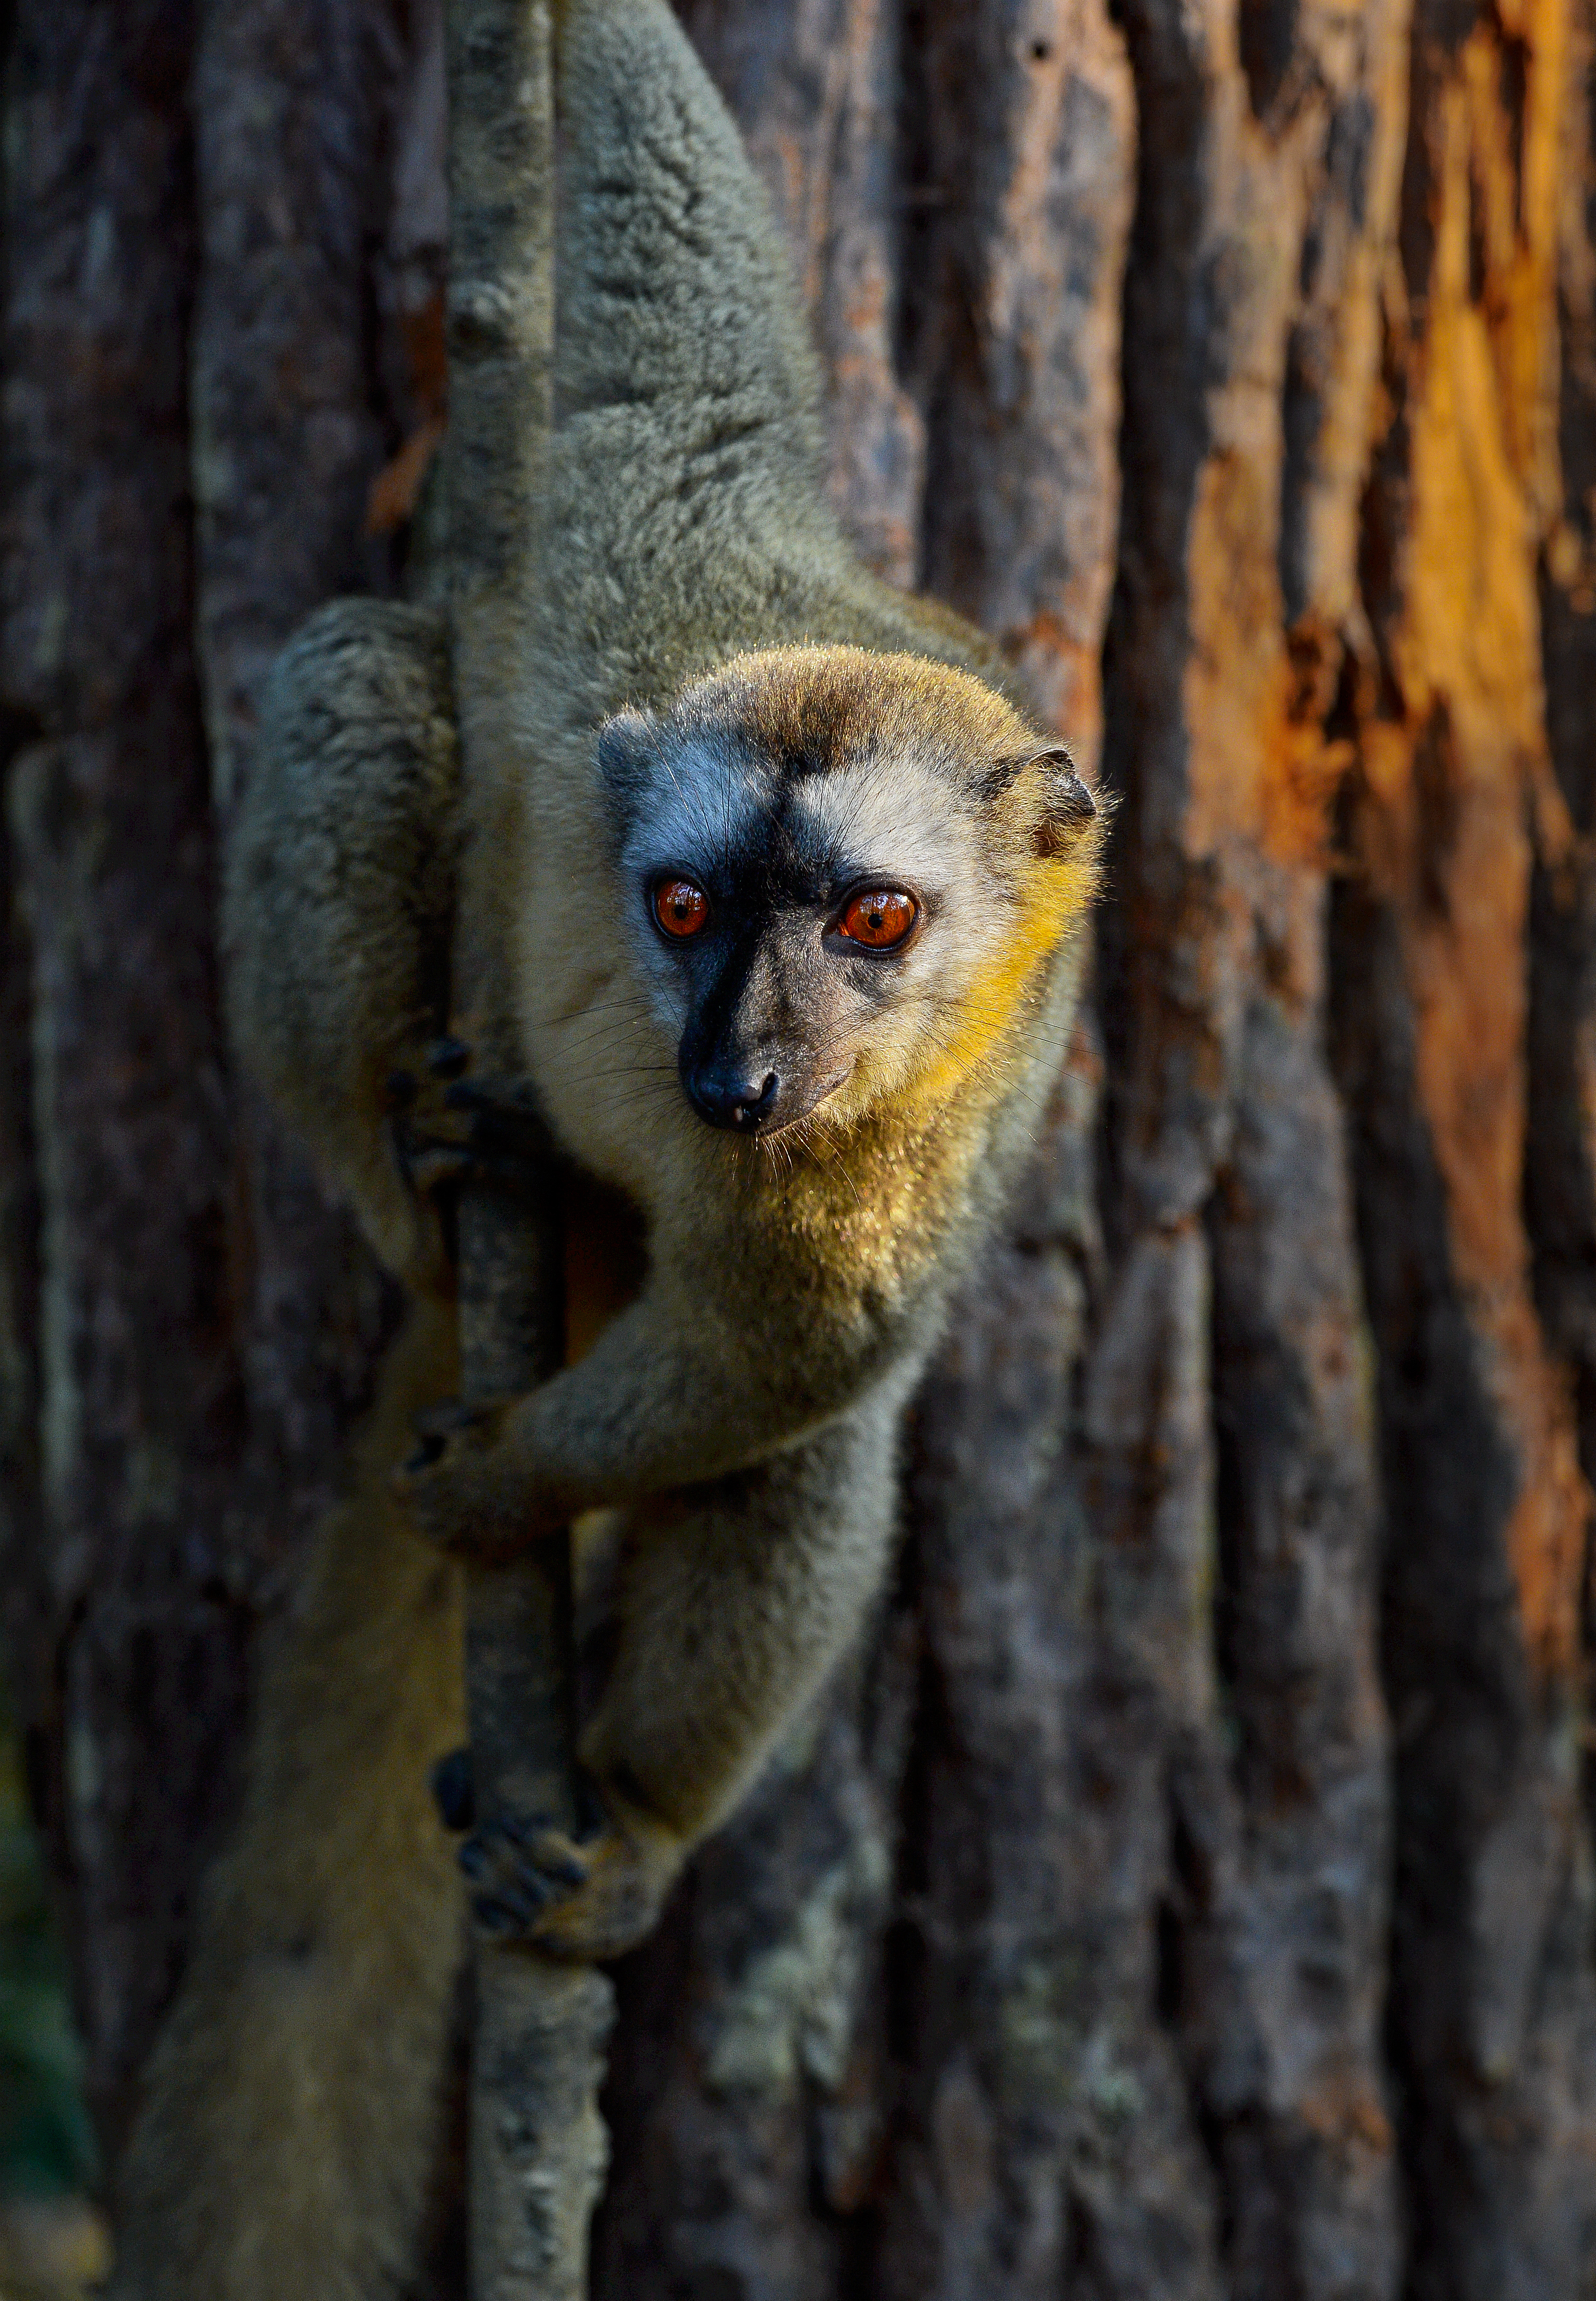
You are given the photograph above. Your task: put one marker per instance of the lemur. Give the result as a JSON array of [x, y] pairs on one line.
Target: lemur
[[796, 909]]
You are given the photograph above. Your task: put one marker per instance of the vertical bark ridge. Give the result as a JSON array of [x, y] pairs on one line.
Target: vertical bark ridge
[[1287, 1917], [1560, 1175], [747, 2084], [1028, 147], [1492, 2006], [293, 104], [1043, 2144], [140, 1399], [1265, 211]]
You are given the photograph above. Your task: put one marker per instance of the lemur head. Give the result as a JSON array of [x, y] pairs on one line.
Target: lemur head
[[842, 871]]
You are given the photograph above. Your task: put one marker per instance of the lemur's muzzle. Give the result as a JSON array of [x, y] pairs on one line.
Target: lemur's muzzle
[[730, 1098]]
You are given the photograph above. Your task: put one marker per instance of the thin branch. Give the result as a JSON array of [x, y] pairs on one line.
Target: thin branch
[[538, 2145]]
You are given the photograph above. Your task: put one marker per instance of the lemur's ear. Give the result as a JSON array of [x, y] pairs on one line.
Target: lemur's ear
[[1064, 805], [1067, 806], [625, 756]]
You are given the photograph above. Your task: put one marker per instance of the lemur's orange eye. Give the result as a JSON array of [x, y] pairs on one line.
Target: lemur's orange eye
[[681, 908], [880, 919]]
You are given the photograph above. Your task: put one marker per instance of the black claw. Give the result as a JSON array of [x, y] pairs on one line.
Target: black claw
[[494, 1916], [401, 1090], [472, 1857], [454, 1790], [446, 1057], [430, 1451]]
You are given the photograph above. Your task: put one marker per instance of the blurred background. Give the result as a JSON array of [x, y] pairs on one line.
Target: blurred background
[[53, 2241]]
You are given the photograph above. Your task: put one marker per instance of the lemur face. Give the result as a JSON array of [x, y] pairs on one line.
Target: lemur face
[[819, 894]]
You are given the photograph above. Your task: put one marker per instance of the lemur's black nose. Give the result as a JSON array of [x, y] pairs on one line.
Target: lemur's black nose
[[731, 1098]]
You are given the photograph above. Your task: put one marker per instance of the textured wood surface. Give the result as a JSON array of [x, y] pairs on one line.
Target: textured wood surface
[[1189, 1892]]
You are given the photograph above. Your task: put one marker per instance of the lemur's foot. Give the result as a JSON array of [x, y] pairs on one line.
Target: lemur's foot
[[449, 1128], [593, 1897], [466, 1489]]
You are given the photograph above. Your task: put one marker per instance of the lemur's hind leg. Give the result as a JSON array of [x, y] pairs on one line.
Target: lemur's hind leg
[[737, 1599]]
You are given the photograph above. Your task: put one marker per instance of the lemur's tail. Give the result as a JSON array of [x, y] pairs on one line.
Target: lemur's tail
[[293, 2109], [672, 279]]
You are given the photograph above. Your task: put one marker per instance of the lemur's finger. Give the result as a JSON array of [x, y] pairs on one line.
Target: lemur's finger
[[523, 1866], [555, 1859], [496, 1915]]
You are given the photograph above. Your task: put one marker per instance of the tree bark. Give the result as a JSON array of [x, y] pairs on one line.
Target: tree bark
[[1187, 1890], [127, 1397]]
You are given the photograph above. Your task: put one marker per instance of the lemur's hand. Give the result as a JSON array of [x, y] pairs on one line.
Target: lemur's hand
[[450, 1129], [466, 1486]]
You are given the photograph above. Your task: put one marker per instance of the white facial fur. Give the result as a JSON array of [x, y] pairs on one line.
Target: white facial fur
[[896, 823]]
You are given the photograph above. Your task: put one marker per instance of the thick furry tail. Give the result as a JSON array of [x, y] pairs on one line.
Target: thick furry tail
[[672, 283], [294, 2106]]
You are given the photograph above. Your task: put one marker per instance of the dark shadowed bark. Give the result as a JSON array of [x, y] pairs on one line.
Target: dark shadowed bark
[[296, 107], [1188, 1890], [129, 1663]]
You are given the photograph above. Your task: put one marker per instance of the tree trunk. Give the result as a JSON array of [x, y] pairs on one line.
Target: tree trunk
[[1189, 1890]]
